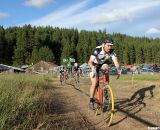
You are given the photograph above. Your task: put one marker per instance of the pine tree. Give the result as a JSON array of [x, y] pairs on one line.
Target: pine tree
[[139, 55], [126, 55], [10, 36], [35, 55], [46, 54], [66, 50], [19, 50], [56, 44], [132, 54], [2, 44]]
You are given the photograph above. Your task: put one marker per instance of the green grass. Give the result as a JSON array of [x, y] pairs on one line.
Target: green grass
[[141, 77], [21, 100]]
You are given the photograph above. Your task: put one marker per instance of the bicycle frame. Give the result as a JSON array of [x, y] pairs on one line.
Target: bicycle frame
[[99, 89]]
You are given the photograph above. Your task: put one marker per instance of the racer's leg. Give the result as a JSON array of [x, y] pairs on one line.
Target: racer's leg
[[77, 73], [92, 91], [106, 68], [93, 86]]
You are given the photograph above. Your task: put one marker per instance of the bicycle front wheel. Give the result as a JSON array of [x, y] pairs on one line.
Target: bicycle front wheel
[[107, 105]]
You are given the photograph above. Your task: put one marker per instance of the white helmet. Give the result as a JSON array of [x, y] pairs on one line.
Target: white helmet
[[75, 64], [62, 67]]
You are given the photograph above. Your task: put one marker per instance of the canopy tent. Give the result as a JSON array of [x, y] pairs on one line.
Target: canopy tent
[[84, 65], [24, 66]]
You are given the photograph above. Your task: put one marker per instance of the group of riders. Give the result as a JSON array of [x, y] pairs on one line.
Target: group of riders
[[99, 59], [75, 70]]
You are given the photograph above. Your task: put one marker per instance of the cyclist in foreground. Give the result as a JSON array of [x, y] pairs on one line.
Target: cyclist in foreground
[[99, 59]]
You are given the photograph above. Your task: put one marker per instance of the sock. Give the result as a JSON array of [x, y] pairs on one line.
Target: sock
[[91, 99]]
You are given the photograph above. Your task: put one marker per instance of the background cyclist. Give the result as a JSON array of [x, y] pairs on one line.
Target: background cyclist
[[76, 69], [100, 59], [63, 72]]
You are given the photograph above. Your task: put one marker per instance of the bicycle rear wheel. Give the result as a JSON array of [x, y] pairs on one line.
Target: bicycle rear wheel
[[61, 79], [107, 105], [76, 81]]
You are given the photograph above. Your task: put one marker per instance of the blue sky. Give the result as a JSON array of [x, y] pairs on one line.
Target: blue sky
[[131, 17]]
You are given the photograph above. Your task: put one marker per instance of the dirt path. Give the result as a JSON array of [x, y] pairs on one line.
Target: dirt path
[[137, 107]]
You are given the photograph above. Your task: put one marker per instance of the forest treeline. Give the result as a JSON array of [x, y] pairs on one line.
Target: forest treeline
[[27, 44]]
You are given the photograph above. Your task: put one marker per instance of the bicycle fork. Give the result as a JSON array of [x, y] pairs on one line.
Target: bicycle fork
[[99, 100]]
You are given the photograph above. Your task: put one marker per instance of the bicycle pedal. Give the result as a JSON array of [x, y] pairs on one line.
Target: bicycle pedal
[[97, 111]]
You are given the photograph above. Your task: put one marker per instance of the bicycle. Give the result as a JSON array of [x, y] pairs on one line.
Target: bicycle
[[76, 77], [105, 98]]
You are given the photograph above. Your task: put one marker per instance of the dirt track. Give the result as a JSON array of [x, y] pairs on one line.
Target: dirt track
[[136, 106]]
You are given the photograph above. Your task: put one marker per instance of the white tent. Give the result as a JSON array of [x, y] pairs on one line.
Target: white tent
[[84, 65]]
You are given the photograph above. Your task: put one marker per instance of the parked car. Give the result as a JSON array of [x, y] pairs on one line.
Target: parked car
[[129, 72], [156, 70], [146, 71], [113, 72], [124, 71]]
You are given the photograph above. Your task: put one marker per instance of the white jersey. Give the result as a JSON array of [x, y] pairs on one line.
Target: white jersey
[[100, 56]]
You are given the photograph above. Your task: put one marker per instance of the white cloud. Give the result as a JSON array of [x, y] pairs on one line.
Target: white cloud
[[124, 16], [125, 10], [59, 17], [153, 31], [37, 3], [3, 15], [108, 12], [115, 15]]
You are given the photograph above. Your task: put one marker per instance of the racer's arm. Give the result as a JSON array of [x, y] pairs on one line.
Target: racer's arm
[[115, 61], [92, 59], [90, 63]]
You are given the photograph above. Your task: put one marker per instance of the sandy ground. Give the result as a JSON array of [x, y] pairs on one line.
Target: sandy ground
[[136, 106]]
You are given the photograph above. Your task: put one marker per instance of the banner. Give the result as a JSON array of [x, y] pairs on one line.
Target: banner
[[65, 60]]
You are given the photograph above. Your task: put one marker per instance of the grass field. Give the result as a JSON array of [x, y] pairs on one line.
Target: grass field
[[21, 105], [147, 77]]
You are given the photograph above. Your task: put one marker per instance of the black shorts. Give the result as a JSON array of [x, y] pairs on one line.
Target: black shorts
[[98, 67]]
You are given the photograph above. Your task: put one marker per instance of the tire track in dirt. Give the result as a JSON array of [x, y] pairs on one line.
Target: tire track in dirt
[[64, 112]]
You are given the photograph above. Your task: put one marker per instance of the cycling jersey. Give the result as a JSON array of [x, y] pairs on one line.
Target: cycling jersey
[[100, 57], [76, 68], [61, 70]]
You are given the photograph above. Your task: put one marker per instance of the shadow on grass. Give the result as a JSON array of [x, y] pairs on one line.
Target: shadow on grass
[[130, 107]]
